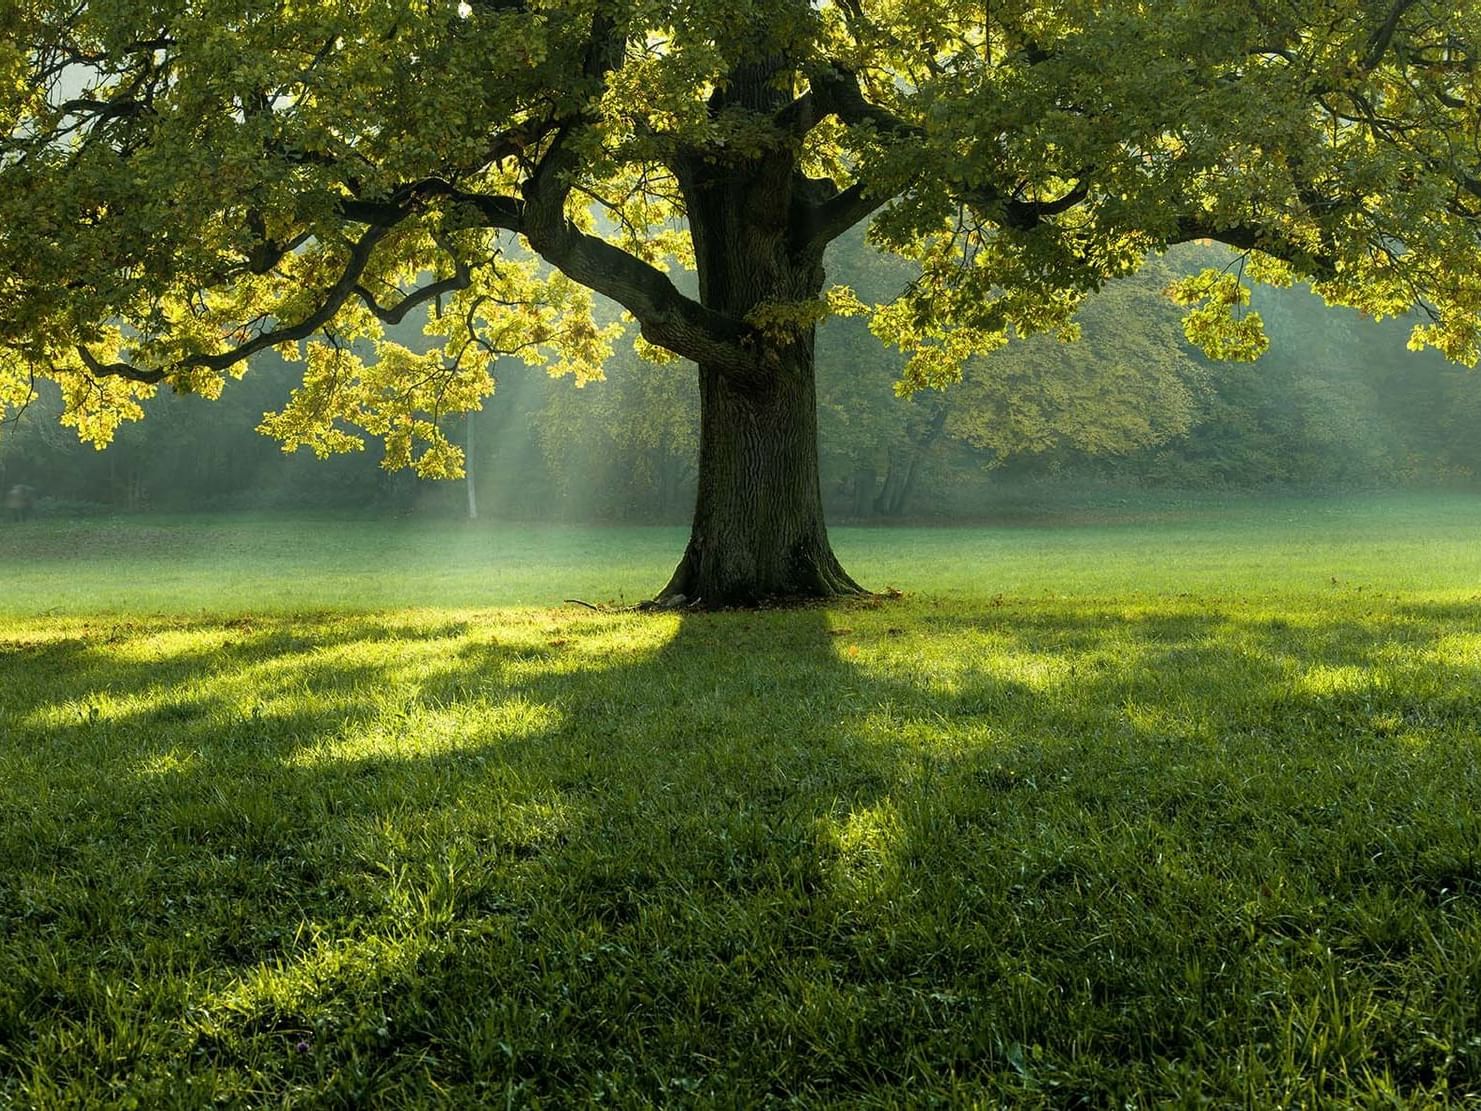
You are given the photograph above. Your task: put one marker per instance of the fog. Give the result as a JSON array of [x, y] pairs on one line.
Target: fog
[[1131, 411]]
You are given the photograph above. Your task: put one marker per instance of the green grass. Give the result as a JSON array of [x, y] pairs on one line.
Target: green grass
[[1426, 546], [1121, 811]]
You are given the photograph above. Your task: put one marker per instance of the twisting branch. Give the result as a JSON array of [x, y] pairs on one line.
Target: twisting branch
[[665, 316], [334, 298], [462, 278], [118, 370]]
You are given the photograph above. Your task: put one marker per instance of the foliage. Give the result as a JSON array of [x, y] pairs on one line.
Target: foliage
[[1338, 402], [1128, 385], [182, 188], [1090, 839]]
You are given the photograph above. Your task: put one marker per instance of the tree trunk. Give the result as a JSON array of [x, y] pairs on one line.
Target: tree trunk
[[902, 496], [758, 531], [865, 481], [899, 485]]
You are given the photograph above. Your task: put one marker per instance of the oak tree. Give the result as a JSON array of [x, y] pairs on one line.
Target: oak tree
[[184, 183]]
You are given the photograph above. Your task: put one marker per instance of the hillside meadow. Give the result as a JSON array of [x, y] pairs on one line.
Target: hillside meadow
[[1123, 806]]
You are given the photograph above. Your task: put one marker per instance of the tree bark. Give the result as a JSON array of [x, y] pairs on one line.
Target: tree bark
[[898, 483], [758, 532]]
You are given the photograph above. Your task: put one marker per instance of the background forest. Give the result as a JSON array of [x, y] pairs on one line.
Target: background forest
[[1337, 403]]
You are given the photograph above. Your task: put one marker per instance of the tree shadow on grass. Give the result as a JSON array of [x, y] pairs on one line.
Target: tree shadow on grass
[[1053, 851]]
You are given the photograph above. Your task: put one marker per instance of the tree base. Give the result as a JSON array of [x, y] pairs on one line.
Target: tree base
[[732, 579]]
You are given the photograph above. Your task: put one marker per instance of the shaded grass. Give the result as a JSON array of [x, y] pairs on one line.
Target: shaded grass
[[1097, 847]]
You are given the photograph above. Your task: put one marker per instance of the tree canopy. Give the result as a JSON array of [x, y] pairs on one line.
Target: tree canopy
[[185, 183]]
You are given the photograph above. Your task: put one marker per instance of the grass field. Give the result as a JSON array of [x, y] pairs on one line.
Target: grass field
[[1180, 806]]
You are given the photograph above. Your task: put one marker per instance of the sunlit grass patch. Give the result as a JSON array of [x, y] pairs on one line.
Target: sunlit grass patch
[[413, 732], [174, 762]]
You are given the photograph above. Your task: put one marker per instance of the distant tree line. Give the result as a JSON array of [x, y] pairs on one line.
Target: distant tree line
[[1337, 402]]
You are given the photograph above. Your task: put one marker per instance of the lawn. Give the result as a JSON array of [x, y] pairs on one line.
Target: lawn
[[1121, 808]]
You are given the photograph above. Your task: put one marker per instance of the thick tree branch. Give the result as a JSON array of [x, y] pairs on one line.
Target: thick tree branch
[[265, 252], [837, 92], [118, 370], [817, 224], [665, 316], [100, 110], [495, 211], [800, 116], [1248, 237], [1383, 36]]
